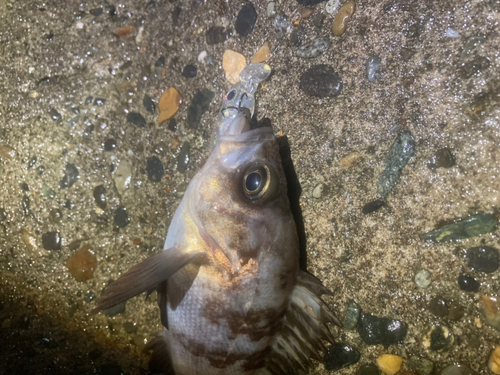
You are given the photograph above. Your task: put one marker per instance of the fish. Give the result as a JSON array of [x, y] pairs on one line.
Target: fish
[[231, 295]]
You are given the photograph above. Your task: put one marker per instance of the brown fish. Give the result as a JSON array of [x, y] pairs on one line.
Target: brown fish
[[231, 295]]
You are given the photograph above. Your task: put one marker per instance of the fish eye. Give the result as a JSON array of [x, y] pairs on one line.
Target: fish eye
[[231, 94], [260, 183]]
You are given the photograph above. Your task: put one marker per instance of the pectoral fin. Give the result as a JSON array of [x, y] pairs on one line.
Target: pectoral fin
[[145, 276]]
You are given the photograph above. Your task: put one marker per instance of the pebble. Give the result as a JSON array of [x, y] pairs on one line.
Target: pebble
[[55, 216], [189, 71], [172, 125], [88, 100], [386, 331], [136, 119], [100, 196], [398, 156], [87, 133], [372, 68], [306, 12], [483, 259], [54, 115], [491, 310], [121, 218], [321, 81], [262, 54], [245, 21], [443, 158], [422, 366], [281, 24], [99, 102], [82, 264], [451, 33], [341, 355], [71, 175], [216, 35], [183, 158], [438, 307], [389, 364], [271, 11], [319, 20], [73, 121], [373, 206], [201, 56], [494, 360], [317, 47], [122, 176], [155, 169], [170, 101], [423, 278], [352, 315], [48, 192], [343, 18], [332, 6], [149, 104], [51, 241], [160, 62], [32, 162], [233, 63], [456, 311], [297, 36], [368, 369], [318, 191], [457, 370], [110, 144], [438, 338], [471, 226], [130, 327], [199, 105], [468, 283]]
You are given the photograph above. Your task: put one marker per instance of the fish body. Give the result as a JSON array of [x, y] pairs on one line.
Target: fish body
[[231, 295]]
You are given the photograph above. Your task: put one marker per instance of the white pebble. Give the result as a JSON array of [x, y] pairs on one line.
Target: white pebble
[[79, 25], [318, 191], [202, 56], [450, 33], [332, 6], [423, 278], [271, 12]]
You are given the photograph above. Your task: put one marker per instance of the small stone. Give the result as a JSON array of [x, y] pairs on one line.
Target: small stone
[[373, 206], [457, 370], [170, 102], [423, 278], [343, 18], [82, 264], [48, 192], [372, 68], [318, 191], [351, 159], [271, 11], [374, 330], [99, 102], [421, 365], [216, 35], [155, 169], [306, 12], [123, 176], [332, 6], [199, 105], [100, 196], [297, 36], [262, 54], [233, 63], [189, 71], [73, 121], [87, 133], [438, 338], [97, 12], [25, 187], [281, 24], [160, 62], [54, 115], [110, 144], [368, 369], [88, 100], [494, 360], [121, 218], [183, 158], [149, 104], [55, 216], [468, 283], [139, 341], [438, 307], [201, 56], [389, 364], [456, 312], [317, 47], [352, 316], [71, 175], [172, 125], [51, 241], [136, 119], [443, 158], [472, 226], [491, 309], [319, 20], [321, 81], [340, 356], [32, 162], [483, 259], [246, 19], [451, 33]]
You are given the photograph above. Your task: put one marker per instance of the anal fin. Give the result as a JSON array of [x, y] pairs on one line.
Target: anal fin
[[160, 361]]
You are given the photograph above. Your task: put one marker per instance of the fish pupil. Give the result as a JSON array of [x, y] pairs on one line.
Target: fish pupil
[[253, 181]]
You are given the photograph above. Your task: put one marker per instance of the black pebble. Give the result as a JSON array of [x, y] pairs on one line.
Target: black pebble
[[341, 355], [183, 159], [121, 218], [54, 115], [51, 241], [32, 162], [88, 100], [439, 340], [25, 186], [483, 259], [111, 10], [374, 330], [155, 169], [172, 125], [438, 307], [199, 105], [100, 196], [136, 119], [246, 20], [149, 104], [189, 71], [309, 3], [110, 144], [160, 62], [99, 102], [216, 35], [468, 283], [97, 12], [68, 204], [368, 369], [443, 158], [48, 343], [321, 81], [71, 175], [373, 206]]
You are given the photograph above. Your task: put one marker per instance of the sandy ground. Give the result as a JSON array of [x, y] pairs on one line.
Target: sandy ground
[[55, 54]]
